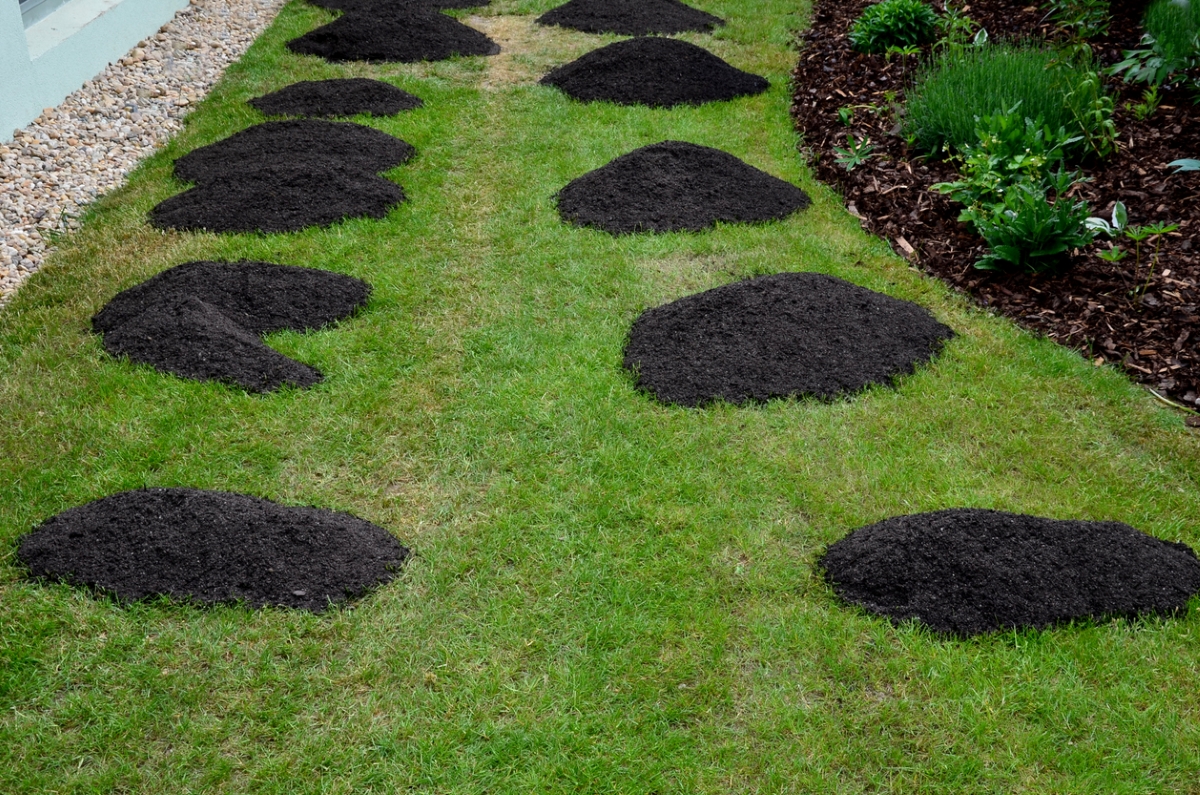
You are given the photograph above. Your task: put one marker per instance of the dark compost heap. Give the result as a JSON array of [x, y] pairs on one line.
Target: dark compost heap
[[400, 33], [385, 6], [630, 17], [788, 334], [653, 71], [283, 176], [968, 571], [674, 186], [212, 547], [204, 320], [338, 97]]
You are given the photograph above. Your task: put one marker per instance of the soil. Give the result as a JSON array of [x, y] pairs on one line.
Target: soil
[[653, 71], [275, 199], [213, 547], [405, 34], [344, 97], [630, 17], [386, 6], [204, 320], [284, 176], [967, 572], [675, 186], [1144, 319], [308, 143], [784, 335]]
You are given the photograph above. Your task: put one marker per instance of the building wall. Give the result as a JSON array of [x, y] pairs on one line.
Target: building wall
[[41, 65]]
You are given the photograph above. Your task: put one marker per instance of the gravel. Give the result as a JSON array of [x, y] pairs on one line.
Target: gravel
[[85, 147]]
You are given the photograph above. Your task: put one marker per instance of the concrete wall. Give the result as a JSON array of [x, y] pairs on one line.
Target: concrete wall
[[40, 66]]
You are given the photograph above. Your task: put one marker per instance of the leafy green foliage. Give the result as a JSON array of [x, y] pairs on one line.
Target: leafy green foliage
[[1171, 44], [1007, 151], [1029, 233], [965, 84], [1083, 18], [1186, 164], [855, 154], [894, 23]]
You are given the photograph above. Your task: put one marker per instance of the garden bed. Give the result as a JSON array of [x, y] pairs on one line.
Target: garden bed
[[1149, 323]]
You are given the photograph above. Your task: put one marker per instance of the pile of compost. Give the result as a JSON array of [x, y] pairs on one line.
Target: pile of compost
[[784, 335], [204, 320], [283, 176], [967, 571], [653, 71], [212, 547], [630, 17], [676, 186], [339, 97], [386, 6], [399, 33]]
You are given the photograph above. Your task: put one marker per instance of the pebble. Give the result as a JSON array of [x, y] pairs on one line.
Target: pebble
[[86, 146]]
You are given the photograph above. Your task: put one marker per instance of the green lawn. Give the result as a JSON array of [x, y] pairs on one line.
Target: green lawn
[[609, 595]]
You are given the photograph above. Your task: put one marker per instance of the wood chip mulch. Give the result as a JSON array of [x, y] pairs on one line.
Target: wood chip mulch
[[1096, 307]]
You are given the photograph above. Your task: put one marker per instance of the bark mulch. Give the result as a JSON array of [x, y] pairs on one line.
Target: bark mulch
[[212, 547], [630, 17], [204, 320], [1095, 307], [778, 336], [676, 186], [654, 71], [968, 571], [339, 97]]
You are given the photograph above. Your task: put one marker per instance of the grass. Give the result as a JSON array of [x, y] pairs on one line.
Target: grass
[[610, 595], [962, 85]]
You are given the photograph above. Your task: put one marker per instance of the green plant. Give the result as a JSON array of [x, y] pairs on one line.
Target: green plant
[[1186, 164], [1119, 227], [1028, 232], [1082, 18], [1007, 151], [846, 115], [856, 153], [961, 86], [1170, 45], [894, 23], [1150, 102], [957, 29]]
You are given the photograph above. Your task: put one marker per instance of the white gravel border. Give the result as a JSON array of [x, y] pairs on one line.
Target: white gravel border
[[73, 153]]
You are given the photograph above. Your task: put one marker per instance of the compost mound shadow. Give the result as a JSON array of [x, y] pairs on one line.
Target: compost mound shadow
[[203, 320], [630, 17], [284, 176], [653, 71], [405, 34], [675, 186], [338, 97], [778, 336], [967, 571], [212, 547]]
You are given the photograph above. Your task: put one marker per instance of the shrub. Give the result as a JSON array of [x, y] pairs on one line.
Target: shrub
[[951, 93], [1006, 187], [894, 23]]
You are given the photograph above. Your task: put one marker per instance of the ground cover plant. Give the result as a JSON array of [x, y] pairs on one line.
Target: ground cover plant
[[605, 594], [1098, 295]]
